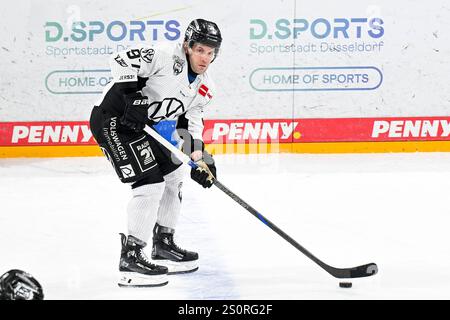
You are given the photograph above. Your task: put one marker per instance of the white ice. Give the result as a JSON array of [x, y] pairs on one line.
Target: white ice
[[60, 220]]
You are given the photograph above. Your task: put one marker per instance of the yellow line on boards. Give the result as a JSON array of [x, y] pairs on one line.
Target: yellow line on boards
[[333, 147], [327, 147], [49, 151]]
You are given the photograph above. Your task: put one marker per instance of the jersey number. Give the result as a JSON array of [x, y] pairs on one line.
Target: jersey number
[[133, 54], [148, 156]]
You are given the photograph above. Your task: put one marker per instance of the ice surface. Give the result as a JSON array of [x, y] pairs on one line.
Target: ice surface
[[60, 220]]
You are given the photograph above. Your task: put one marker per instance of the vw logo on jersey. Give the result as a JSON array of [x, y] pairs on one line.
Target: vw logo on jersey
[[178, 65]]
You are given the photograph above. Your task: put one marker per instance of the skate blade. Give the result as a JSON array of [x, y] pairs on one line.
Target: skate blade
[[178, 267], [136, 280], [182, 271]]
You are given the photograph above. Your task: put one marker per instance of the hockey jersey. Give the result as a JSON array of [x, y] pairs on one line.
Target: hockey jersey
[[160, 73]]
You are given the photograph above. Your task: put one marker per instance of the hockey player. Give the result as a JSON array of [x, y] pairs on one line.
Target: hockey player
[[151, 84]]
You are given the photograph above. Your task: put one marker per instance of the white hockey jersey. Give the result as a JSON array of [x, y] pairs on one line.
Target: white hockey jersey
[[162, 72]]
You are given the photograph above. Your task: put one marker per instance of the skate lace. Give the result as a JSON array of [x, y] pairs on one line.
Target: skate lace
[[144, 257], [177, 247]]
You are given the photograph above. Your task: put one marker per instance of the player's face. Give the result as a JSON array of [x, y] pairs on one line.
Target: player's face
[[200, 56]]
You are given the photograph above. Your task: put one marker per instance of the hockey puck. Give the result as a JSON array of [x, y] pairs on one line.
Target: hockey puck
[[345, 284]]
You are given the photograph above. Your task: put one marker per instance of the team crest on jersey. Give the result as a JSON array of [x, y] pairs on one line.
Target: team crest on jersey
[[147, 54], [178, 65]]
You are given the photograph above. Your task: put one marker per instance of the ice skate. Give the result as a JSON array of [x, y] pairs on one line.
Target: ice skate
[[135, 268], [165, 252]]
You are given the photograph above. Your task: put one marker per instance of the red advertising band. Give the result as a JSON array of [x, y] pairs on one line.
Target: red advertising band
[[327, 135]]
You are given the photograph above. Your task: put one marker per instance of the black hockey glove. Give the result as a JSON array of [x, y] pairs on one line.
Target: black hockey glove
[[206, 171], [135, 116]]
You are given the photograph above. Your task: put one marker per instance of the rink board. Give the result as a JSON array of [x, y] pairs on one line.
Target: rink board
[[246, 136], [321, 76]]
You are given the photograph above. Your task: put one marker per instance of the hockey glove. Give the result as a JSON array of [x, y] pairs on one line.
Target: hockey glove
[[206, 171], [135, 116]]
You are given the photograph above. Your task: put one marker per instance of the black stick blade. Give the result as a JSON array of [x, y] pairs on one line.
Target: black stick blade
[[366, 270]]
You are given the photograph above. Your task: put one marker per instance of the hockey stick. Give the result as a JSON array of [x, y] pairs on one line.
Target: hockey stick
[[366, 270]]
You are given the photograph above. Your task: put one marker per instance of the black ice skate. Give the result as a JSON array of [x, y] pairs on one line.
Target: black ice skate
[[165, 252], [135, 268]]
